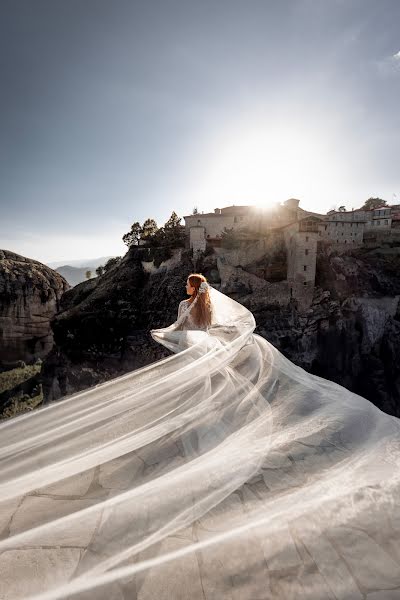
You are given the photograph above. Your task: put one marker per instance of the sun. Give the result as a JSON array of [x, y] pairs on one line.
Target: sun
[[262, 166]]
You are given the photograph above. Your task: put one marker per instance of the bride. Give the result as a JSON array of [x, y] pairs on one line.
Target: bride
[[223, 471]]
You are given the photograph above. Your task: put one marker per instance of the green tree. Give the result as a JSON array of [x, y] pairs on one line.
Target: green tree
[[342, 209], [173, 221], [195, 211], [149, 229], [88, 274], [372, 203], [159, 238], [133, 236], [174, 232], [100, 271]]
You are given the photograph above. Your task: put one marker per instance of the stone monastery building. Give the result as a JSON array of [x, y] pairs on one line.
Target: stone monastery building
[[303, 234]]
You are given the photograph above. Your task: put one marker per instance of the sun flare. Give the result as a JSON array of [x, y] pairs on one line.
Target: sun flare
[[262, 166]]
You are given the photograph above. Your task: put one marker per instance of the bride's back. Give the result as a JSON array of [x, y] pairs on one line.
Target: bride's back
[[198, 306], [193, 319]]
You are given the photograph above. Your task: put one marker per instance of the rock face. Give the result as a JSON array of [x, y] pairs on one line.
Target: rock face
[[30, 295]]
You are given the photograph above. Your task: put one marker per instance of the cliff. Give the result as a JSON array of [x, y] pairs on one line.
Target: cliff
[[30, 294]]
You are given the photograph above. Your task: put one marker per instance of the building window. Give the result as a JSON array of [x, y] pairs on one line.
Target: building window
[[306, 238], [326, 227], [386, 221], [198, 221], [336, 224], [235, 219], [342, 224], [305, 267], [304, 282], [379, 222], [306, 251]]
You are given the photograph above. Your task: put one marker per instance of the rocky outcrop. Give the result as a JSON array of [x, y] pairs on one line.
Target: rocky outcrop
[[30, 294]]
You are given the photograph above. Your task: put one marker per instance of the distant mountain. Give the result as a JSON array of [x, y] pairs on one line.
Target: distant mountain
[[75, 275], [83, 263], [74, 271]]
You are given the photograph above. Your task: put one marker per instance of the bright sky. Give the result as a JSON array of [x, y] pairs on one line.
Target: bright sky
[[112, 112]]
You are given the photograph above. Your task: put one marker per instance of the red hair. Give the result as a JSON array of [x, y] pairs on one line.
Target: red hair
[[202, 311]]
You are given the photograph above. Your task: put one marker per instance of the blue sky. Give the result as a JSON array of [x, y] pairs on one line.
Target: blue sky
[[112, 112]]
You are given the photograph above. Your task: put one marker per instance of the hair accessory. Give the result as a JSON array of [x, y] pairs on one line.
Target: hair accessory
[[203, 287]]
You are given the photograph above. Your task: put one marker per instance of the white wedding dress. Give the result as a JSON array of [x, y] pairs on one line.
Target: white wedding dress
[[221, 472]]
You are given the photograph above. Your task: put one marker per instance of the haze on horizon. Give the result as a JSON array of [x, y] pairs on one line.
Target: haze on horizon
[[114, 112]]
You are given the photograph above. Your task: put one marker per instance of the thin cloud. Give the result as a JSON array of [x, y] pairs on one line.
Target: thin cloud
[[389, 66]]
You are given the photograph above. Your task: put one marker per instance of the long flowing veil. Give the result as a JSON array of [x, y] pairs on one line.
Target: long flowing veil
[[221, 472]]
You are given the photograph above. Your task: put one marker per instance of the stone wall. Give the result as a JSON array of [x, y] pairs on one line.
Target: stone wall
[[150, 266], [342, 232], [214, 224], [197, 234], [302, 253], [236, 281], [250, 252], [330, 247]]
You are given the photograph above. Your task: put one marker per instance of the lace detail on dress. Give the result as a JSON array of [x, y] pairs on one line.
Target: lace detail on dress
[[186, 318]]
